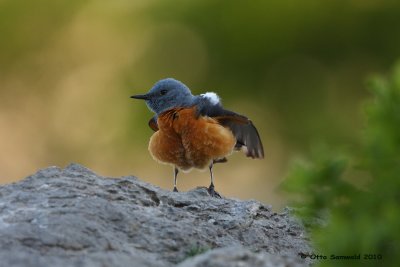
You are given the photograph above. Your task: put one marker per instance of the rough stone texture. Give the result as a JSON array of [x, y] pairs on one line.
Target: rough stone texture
[[238, 257], [73, 217]]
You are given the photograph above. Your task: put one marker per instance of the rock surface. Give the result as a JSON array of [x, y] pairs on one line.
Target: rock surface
[[73, 217]]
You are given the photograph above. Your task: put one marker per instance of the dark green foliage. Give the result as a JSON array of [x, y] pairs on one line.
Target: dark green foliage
[[359, 192]]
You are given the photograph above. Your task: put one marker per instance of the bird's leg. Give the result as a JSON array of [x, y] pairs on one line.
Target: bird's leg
[[211, 190], [175, 175]]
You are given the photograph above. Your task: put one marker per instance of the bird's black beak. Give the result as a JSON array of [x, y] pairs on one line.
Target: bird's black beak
[[144, 97]]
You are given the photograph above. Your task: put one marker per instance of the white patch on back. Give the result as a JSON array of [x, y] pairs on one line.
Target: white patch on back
[[213, 97]]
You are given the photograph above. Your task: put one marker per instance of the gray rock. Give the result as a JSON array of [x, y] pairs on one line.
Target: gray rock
[[239, 257], [73, 217]]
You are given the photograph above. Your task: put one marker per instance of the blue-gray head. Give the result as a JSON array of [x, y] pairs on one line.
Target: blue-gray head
[[165, 94]]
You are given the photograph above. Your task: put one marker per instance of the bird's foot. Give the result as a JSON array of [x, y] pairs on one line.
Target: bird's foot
[[212, 192], [175, 189]]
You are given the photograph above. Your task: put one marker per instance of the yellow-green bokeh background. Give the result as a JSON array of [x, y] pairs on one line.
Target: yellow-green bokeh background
[[296, 68]]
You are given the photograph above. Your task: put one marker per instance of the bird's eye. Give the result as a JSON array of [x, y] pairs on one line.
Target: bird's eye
[[163, 92]]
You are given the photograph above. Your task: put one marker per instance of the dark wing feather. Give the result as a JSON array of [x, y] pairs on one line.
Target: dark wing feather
[[153, 124], [243, 129], [246, 135]]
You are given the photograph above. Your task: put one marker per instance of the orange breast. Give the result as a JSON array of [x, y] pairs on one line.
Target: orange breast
[[186, 141], [166, 146]]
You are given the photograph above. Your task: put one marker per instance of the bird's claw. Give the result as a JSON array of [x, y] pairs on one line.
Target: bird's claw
[[212, 192]]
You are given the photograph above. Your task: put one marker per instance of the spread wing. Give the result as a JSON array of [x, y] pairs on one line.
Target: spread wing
[[246, 134], [247, 137]]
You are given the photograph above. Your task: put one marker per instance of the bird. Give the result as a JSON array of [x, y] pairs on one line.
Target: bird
[[196, 131]]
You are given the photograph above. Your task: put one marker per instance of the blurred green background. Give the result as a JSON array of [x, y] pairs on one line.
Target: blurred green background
[[296, 68], [349, 199]]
